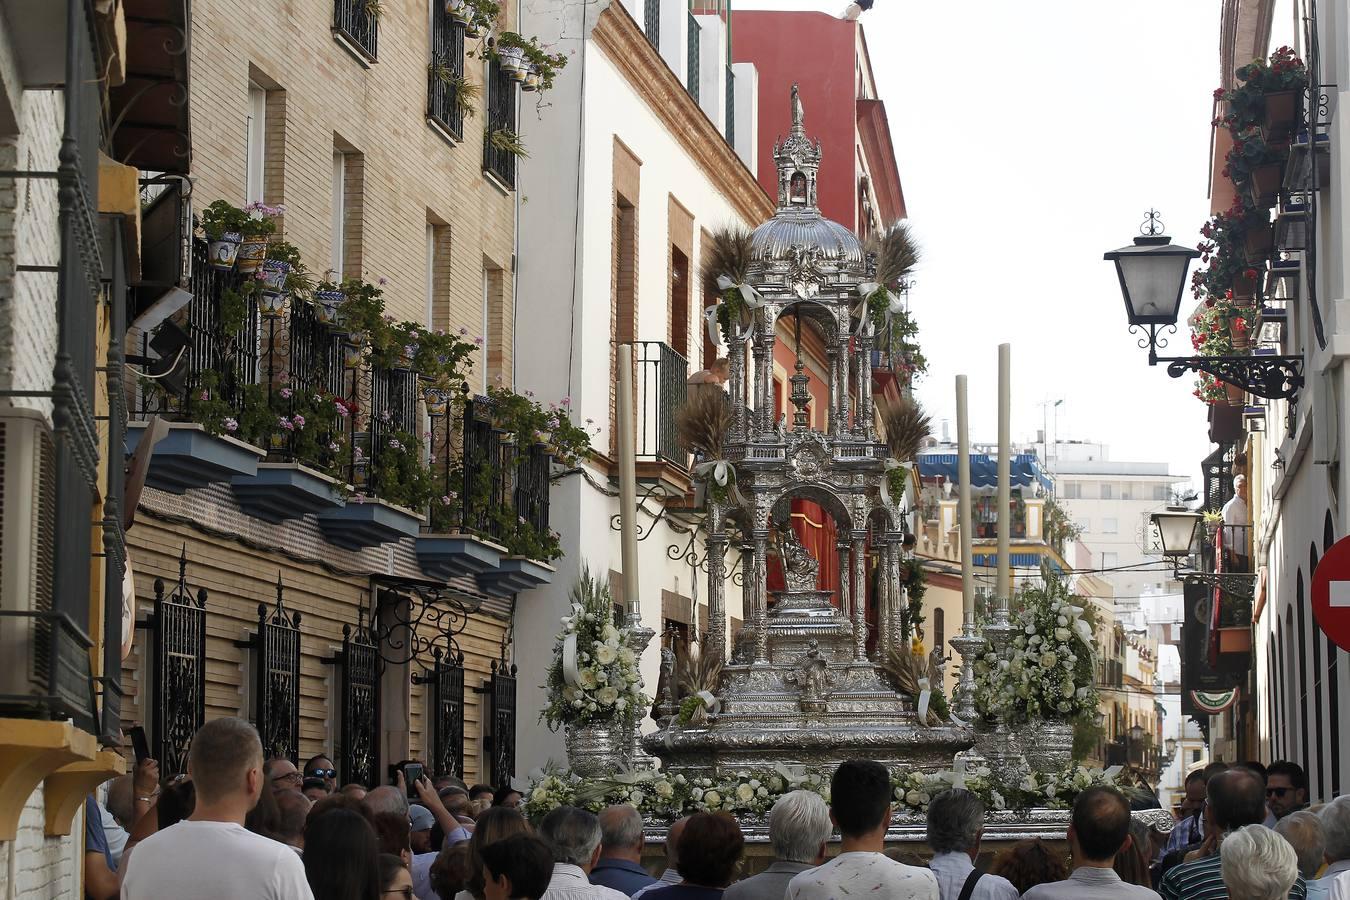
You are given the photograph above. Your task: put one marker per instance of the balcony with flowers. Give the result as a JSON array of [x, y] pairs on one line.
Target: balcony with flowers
[[307, 398]]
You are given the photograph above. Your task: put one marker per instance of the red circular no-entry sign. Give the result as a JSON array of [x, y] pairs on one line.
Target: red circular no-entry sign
[[1331, 593]]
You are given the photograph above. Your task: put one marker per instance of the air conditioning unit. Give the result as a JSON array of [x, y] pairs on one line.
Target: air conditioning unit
[[27, 552]]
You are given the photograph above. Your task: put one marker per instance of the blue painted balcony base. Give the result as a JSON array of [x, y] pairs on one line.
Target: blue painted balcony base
[[515, 574], [454, 555], [282, 491], [187, 457], [367, 524]]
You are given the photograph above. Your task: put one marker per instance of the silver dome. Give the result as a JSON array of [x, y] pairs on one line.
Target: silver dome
[[773, 240]]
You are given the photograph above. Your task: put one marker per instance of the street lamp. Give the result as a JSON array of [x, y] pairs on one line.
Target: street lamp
[[1171, 746], [1176, 533], [1152, 273]]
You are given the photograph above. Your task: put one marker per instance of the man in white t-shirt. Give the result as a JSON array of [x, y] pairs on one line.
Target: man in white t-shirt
[[860, 805], [210, 855]]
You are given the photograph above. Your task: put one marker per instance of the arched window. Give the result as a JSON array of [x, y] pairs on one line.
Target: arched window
[[1316, 788], [1301, 708], [797, 189], [1288, 700]]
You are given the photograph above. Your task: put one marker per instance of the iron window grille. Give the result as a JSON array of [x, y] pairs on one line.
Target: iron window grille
[[731, 107], [651, 23], [358, 23], [358, 741], [501, 117], [276, 678], [501, 691], [446, 680], [444, 105], [178, 701]]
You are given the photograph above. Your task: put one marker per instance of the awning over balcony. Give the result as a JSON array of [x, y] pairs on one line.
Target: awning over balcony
[[1025, 470], [149, 112]]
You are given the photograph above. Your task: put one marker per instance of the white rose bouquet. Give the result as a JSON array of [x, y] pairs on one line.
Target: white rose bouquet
[[1046, 672], [594, 676]]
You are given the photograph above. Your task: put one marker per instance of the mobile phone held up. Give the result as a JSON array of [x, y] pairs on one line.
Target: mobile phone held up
[[411, 773], [139, 745]]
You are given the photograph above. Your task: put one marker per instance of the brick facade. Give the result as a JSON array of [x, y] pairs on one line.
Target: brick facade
[[400, 172]]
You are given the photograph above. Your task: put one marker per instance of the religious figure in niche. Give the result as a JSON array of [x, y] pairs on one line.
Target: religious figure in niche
[[797, 189], [813, 678], [800, 568]]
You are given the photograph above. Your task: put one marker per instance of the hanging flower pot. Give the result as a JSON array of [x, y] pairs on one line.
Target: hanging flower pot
[[473, 29], [1265, 184], [531, 79], [353, 356], [438, 401], [1281, 112], [1244, 284], [1237, 397], [457, 10], [252, 253], [512, 58], [224, 251], [273, 304], [1259, 242], [326, 305], [274, 273], [1238, 333]]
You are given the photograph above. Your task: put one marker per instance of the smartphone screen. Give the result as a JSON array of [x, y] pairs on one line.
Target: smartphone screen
[[139, 745], [412, 772]]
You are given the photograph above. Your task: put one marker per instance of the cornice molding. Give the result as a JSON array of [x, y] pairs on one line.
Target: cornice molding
[[624, 44]]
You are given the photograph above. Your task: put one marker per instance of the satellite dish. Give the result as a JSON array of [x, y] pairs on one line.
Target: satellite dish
[[139, 467], [128, 611]]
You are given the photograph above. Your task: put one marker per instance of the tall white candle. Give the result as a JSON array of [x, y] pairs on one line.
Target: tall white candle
[[1004, 511], [963, 513], [625, 443]]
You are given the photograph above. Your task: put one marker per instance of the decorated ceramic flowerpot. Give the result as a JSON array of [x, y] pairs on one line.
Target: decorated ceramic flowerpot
[[326, 305], [353, 356], [531, 80], [272, 304], [457, 10], [438, 401], [274, 274], [252, 253], [223, 252]]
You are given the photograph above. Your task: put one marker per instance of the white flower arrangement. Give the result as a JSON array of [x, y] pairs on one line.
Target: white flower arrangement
[[594, 677], [1046, 671], [663, 797]]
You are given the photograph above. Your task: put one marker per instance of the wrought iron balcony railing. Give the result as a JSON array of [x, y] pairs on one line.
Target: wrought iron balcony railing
[[501, 120], [661, 385], [692, 74], [444, 105], [293, 382], [358, 22]]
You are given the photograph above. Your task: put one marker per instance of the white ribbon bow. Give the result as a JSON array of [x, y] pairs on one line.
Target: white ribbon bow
[[719, 469], [957, 776], [710, 703], [571, 674], [748, 294], [885, 482], [1084, 630], [893, 303], [925, 697], [710, 322]]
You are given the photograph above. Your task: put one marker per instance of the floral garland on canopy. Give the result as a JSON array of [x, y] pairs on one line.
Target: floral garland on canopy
[[594, 677], [663, 796], [1046, 670]]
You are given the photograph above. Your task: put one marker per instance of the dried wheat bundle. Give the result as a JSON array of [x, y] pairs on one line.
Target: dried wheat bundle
[[698, 671], [728, 254], [702, 423], [907, 427], [897, 255]]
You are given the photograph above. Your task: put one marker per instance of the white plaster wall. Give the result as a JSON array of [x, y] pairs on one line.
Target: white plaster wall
[[675, 37], [712, 69], [564, 348], [36, 867]]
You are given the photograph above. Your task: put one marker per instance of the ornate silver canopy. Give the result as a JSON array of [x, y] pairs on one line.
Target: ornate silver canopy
[[802, 685]]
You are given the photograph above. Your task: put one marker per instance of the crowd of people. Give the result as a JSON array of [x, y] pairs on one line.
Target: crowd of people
[[238, 825]]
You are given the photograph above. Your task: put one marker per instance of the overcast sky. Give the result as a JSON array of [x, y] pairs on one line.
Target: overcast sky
[[1031, 138]]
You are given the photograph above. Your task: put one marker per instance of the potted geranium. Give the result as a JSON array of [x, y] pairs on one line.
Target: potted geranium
[[510, 53], [223, 225], [257, 228]]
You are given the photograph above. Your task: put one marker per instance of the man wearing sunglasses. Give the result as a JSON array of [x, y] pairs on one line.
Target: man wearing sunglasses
[[1286, 788], [322, 767]]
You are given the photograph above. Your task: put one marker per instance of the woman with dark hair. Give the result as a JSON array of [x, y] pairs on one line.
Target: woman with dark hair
[[265, 816], [395, 880], [710, 850], [450, 872], [497, 823], [342, 857], [506, 796], [176, 801], [517, 868], [1029, 863]]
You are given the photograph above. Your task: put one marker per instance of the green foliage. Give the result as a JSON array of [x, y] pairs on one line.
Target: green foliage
[[507, 141], [1059, 529], [220, 218], [398, 474], [905, 343], [1246, 103]]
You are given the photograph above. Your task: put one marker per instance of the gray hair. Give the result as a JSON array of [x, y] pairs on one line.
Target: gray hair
[[955, 818], [1257, 864], [798, 824], [387, 799], [1303, 831], [1335, 818], [572, 834], [120, 804], [620, 827]]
